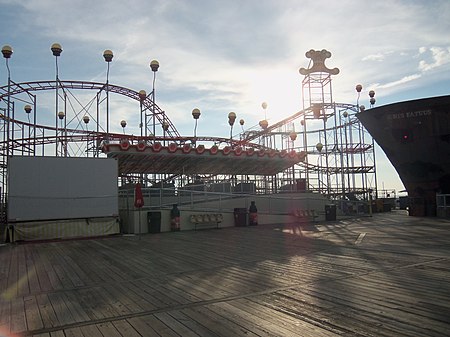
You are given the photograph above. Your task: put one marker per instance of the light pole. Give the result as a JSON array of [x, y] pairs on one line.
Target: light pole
[[61, 116], [264, 106], [165, 127], [7, 51], [358, 90], [56, 50], [28, 108], [196, 115], [142, 97], [108, 56], [86, 121], [344, 150], [123, 124], [293, 137], [372, 98], [319, 147], [154, 66], [264, 123], [231, 120]]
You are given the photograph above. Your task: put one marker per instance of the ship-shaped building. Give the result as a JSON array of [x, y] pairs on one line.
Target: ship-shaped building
[[415, 135]]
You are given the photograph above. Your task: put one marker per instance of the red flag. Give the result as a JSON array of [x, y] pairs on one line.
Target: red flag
[[138, 197]]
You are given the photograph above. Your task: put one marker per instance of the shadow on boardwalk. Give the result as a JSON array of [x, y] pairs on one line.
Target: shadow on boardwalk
[[381, 276]]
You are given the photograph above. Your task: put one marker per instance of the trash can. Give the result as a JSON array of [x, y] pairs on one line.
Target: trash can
[[154, 222], [175, 218], [252, 214], [240, 217], [330, 212]]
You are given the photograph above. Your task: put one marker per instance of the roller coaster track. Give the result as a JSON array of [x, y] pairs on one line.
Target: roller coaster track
[[147, 103], [80, 135], [270, 129]]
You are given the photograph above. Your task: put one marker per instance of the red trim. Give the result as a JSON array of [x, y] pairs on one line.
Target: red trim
[[250, 151], [141, 146], [124, 144], [172, 147], [226, 150], [213, 149], [283, 153], [261, 152], [187, 148], [238, 151], [272, 153], [157, 147], [292, 154], [200, 149]]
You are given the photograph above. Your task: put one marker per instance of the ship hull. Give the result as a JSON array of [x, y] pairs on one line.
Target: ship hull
[[415, 136]]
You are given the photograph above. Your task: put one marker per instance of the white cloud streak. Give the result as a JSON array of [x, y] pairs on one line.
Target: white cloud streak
[[399, 82], [232, 56]]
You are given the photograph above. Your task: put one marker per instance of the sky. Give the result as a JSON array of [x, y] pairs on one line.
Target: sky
[[222, 56]]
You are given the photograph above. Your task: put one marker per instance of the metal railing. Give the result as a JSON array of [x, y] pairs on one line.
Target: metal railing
[[443, 205], [164, 198]]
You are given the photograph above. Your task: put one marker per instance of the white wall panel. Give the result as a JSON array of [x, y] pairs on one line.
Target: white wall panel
[[43, 188]]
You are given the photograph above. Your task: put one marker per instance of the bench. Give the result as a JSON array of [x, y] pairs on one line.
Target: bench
[[305, 214], [206, 220]]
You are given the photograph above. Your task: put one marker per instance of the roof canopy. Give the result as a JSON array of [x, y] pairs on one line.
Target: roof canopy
[[174, 159]]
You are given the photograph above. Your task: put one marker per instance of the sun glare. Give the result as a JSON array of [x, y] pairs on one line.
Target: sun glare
[[279, 88]]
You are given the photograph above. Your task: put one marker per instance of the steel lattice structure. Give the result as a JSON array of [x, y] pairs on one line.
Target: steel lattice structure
[[340, 153], [72, 118]]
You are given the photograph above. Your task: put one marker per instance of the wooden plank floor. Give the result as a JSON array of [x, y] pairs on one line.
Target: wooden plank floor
[[386, 275]]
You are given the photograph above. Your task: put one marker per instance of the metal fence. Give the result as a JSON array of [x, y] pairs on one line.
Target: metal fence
[[164, 198], [443, 205]]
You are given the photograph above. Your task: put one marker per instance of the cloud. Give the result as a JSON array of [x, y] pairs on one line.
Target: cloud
[[439, 57], [374, 57], [403, 61], [400, 82], [234, 55], [230, 56]]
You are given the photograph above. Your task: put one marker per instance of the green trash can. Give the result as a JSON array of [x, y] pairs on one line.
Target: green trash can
[[240, 217], [154, 222], [330, 212]]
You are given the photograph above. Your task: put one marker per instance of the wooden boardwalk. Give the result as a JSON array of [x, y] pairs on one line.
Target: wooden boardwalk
[[388, 275]]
